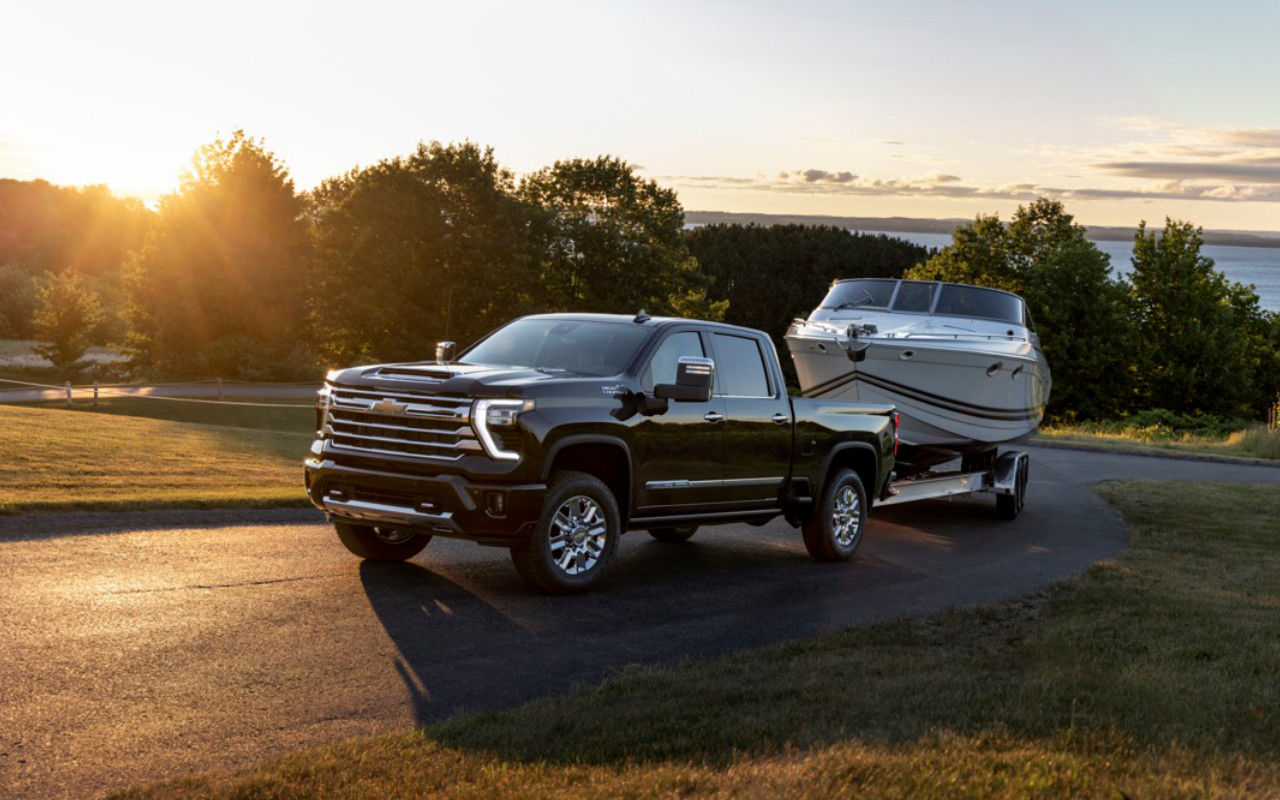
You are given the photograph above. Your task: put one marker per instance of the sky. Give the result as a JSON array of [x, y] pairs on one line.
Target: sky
[[1125, 111]]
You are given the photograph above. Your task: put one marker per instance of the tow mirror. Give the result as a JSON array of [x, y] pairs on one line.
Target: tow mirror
[[694, 377], [444, 352]]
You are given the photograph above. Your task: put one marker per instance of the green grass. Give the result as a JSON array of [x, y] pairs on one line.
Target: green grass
[[52, 459], [1255, 442], [293, 420], [1151, 677]]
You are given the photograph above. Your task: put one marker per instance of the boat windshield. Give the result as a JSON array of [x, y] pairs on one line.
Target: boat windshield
[[971, 301], [869, 293], [927, 297]]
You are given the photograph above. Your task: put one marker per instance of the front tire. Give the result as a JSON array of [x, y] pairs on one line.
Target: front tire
[[834, 530], [381, 543], [674, 535], [576, 538]]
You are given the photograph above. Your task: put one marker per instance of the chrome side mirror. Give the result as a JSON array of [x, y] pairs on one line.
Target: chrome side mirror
[[694, 378], [444, 352]]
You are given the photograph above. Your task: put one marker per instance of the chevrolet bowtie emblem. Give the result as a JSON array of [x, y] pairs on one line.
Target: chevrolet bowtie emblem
[[388, 406]]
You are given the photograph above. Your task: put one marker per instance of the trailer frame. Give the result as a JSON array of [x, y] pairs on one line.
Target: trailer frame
[[1007, 480]]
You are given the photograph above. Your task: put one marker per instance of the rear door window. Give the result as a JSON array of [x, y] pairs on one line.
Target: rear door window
[[740, 367]]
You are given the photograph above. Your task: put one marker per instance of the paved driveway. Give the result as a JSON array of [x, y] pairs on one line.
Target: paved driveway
[[138, 646]]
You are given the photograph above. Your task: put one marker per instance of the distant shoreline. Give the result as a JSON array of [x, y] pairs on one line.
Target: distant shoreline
[[1100, 233]]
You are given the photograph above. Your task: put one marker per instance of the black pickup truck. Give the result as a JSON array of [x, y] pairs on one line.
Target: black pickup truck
[[556, 433]]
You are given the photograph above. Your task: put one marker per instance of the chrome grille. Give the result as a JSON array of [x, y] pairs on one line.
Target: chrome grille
[[428, 426]]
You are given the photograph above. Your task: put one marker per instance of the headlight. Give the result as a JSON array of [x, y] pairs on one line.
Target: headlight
[[490, 414], [322, 408]]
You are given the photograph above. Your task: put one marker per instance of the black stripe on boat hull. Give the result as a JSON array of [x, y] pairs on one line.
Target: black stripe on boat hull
[[928, 398]]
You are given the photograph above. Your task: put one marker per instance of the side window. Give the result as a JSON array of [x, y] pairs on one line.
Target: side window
[[740, 370], [662, 367]]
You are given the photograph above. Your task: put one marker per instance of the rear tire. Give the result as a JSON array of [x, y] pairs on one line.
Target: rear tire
[[381, 543], [1009, 506], [674, 535], [835, 528], [576, 538]]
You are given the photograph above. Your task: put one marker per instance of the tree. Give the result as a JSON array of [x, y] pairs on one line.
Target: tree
[[612, 241], [411, 250], [67, 313], [770, 275], [18, 303], [223, 265], [1080, 307], [1203, 340]]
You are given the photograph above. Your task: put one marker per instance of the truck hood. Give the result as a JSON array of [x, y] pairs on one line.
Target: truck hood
[[454, 378]]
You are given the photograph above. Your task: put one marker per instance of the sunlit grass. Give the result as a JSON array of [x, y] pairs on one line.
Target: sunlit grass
[[1150, 677], [53, 459], [294, 414], [1252, 442]]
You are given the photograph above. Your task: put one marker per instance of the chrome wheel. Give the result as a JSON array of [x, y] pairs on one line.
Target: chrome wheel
[[394, 535], [846, 516], [578, 535]]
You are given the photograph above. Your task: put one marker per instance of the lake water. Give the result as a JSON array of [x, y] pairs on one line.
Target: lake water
[[1259, 266]]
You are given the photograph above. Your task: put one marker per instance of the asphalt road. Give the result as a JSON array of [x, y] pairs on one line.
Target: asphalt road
[[140, 646]]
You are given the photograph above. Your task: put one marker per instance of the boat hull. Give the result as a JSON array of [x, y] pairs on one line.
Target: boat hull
[[956, 395]]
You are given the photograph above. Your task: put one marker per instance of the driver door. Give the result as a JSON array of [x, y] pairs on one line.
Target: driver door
[[679, 453]]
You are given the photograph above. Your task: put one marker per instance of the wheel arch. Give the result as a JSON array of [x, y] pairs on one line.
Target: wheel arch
[[605, 457], [861, 457]]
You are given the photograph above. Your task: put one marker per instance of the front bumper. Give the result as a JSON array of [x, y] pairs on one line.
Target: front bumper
[[441, 504]]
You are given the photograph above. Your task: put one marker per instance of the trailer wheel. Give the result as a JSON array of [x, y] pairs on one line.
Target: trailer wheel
[[834, 530], [381, 544], [674, 535], [1008, 506]]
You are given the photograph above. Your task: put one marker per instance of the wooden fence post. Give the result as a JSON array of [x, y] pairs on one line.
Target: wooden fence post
[[95, 394]]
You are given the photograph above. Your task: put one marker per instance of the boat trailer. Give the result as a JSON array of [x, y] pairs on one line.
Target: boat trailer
[[1007, 480]]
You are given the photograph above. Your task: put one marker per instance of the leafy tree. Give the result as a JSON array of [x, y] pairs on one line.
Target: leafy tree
[[224, 262], [1204, 340], [770, 275], [612, 241], [67, 314], [412, 250], [47, 228], [1080, 307], [18, 303]]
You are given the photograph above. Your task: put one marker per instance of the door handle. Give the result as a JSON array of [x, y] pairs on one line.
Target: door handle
[[713, 416], [780, 418]]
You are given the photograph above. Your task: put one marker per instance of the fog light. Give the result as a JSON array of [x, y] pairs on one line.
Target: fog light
[[495, 503]]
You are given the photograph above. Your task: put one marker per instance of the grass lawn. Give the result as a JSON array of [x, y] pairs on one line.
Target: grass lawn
[[291, 420], [55, 459], [1252, 443], [1155, 676]]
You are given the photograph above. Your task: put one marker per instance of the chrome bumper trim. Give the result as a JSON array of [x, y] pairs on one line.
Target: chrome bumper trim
[[382, 513]]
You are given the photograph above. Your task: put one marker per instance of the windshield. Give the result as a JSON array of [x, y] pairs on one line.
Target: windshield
[[581, 347], [869, 293], [971, 301]]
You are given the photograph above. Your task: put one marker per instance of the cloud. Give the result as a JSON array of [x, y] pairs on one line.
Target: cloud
[[1163, 161], [952, 187], [1217, 170], [819, 176]]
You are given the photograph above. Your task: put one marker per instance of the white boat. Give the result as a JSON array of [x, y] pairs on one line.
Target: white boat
[[962, 363]]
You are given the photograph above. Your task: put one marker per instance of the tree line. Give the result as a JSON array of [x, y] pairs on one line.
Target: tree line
[[1173, 334], [239, 274]]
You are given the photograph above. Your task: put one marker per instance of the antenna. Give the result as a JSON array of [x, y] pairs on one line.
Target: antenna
[[641, 316]]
